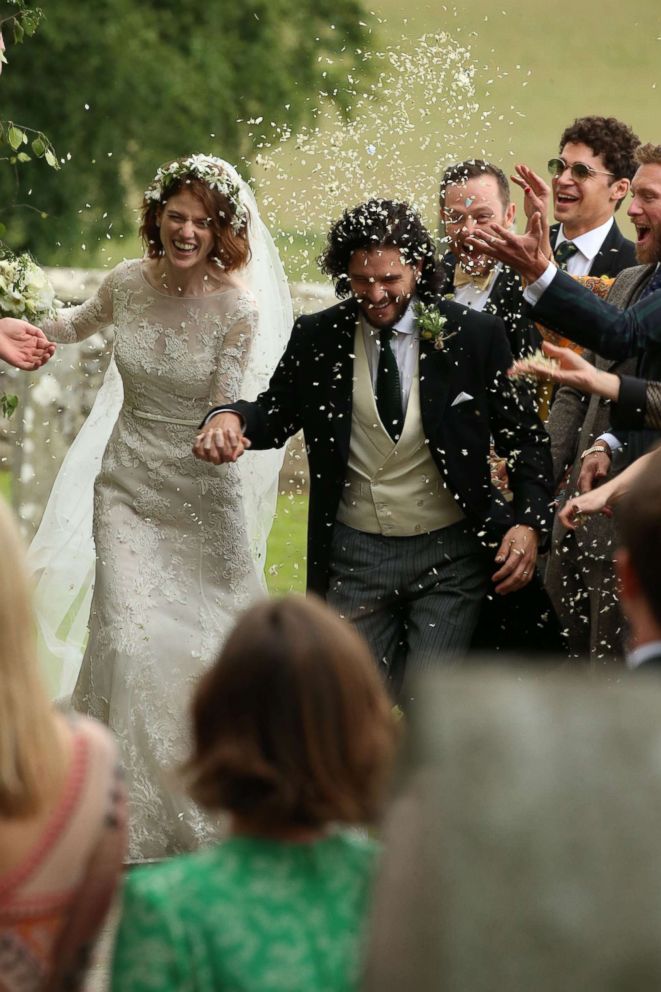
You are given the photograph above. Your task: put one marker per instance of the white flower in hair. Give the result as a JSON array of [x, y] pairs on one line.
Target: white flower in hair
[[208, 169]]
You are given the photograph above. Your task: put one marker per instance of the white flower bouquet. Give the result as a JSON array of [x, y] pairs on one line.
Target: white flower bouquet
[[25, 291]]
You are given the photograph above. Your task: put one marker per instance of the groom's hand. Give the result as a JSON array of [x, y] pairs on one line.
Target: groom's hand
[[516, 556], [222, 439]]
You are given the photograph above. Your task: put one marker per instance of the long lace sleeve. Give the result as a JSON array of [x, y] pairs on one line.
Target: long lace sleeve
[[227, 381], [76, 323]]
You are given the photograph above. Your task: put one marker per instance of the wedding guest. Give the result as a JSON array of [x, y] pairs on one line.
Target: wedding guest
[[61, 809], [582, 583], [638, 517], [401, 395], [475, 193], [293, 737], [591, 178]]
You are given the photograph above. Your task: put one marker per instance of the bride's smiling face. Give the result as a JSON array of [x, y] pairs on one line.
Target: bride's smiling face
[[186, 232]]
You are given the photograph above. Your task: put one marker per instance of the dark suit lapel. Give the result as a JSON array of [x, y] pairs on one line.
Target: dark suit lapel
[[435, 370], [340, 374], [606, 261]]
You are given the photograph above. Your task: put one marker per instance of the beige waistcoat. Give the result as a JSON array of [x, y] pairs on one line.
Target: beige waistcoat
[[392, 489]]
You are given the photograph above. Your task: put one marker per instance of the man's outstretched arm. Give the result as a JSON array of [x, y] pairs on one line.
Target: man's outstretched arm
[[561, 303]]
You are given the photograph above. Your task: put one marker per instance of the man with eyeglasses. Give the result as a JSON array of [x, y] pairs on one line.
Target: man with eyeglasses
[[590, 179], [614, 334]]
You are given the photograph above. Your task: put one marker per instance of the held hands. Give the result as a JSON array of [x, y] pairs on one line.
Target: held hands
[[517, 556], [221, 440], [522, 252], [23, 345]]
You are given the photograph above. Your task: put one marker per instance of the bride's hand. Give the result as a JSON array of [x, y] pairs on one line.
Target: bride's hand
[[221, 440]]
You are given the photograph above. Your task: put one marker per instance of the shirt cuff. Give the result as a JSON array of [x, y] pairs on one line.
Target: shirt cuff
[[613, 443], [223, 409], [533, 293]]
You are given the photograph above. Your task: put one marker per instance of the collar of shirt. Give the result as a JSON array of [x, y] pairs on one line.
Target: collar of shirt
[[405, 325], [650, 650], [589, 243]]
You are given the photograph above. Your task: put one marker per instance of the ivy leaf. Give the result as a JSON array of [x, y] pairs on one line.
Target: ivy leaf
[[16, 137], [8, 404]]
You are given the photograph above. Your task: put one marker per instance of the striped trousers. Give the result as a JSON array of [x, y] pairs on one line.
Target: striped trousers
[[416, 600]]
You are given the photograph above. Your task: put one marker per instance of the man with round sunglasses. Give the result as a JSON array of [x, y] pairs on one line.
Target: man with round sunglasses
[[590, 179]]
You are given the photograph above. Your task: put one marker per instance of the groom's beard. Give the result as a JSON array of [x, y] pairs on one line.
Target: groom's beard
[[386, 313]]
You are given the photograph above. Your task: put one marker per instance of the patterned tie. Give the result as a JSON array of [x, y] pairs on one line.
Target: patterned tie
[[563, 252], [653, 284], [388, 393]]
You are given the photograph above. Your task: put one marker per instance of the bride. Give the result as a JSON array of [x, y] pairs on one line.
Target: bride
[[203, 317]]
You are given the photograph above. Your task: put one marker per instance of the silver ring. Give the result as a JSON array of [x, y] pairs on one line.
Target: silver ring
[[519, 552]]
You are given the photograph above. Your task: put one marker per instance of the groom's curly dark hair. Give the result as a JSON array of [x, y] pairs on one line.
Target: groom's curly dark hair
[[381, 224]]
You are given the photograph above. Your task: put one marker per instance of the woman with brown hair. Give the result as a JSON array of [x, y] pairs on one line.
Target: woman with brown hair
[[176, 553], [61, 808], [293, 736]]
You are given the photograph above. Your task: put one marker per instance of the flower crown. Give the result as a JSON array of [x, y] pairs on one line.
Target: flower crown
[[208, 169]]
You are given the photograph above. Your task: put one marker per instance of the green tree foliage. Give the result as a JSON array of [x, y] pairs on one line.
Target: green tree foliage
[[121, 86]]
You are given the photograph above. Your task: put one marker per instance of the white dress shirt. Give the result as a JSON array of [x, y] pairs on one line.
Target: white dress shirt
[[588, 245], [405, 347], [472, 296]]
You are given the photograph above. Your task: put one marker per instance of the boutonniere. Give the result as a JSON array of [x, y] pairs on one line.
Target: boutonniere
[[432, 325]]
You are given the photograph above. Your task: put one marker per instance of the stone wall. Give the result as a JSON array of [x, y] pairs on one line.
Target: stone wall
[[54, 402]]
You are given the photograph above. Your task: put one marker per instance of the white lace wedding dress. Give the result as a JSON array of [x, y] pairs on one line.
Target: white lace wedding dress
[[173, 561]]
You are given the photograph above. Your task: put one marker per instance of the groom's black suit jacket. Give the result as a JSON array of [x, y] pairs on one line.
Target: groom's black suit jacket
[[311, 389]]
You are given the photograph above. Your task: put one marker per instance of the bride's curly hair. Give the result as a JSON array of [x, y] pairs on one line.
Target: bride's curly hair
[[231, 248], [380, 223]]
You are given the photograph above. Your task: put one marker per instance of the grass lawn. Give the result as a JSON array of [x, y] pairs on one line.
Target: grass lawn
[[285, 557]]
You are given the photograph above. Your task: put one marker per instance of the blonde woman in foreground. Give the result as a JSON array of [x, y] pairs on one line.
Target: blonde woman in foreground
[[61, 809]]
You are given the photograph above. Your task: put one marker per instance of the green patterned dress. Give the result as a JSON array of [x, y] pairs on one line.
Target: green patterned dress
[[249, 915]]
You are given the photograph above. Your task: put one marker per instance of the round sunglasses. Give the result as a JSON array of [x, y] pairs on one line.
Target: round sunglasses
[[579, 170]]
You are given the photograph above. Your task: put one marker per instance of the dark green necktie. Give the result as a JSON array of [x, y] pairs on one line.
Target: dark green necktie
[[563, 253], [388, 394]]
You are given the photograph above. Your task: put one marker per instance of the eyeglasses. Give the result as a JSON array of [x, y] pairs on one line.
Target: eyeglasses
[[579, 170]]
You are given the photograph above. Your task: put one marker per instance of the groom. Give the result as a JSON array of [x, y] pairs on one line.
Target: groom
[[398, 410]]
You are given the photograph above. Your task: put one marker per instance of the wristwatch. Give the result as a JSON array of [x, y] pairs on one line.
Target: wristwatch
[[596, 448]]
